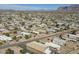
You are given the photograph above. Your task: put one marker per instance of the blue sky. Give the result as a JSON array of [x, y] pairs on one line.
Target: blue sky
[[31, 6]]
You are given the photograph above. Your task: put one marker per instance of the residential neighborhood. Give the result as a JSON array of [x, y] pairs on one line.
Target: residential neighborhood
[[39, 32]]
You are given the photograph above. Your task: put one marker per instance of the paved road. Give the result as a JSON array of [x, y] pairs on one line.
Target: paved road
[[37, 38], [74, 52]]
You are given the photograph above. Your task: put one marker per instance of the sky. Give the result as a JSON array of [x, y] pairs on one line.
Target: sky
[[32, 6]]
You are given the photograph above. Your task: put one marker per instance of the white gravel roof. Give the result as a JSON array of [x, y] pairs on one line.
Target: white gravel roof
[[3, 37], [52, 45]]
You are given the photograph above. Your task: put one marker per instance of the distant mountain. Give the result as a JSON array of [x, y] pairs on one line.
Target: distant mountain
[[71, 8]]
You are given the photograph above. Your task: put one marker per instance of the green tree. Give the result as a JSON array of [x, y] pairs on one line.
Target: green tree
[[7, 34], [9, 51], [1, 43], [27, 37], [22, 23], [14, 38], [23, 51]]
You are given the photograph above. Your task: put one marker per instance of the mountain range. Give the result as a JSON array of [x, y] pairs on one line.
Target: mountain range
[[71, 8]]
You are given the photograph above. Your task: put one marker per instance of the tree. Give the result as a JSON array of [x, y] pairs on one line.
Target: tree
[[30, 26], [14, 38], [9, 51], [15, 31], [27, 37], [7, 34], [1, 43], [22, 23], [23, 51], [15, 28], [9, 18]]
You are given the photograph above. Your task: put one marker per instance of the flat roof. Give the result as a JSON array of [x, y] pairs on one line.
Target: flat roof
[[37, 46]]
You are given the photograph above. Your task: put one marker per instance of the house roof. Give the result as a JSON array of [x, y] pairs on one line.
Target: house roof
[[25, 33], [3, 37], [53, 45]]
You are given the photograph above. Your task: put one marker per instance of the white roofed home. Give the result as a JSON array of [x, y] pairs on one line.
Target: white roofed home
[[47, 51], [50, 30], [25, 33], [72, 36], [5, 38], [50, 44], [4, 31], [36, 32], [1, 30], [59, 41], [75, 37]]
